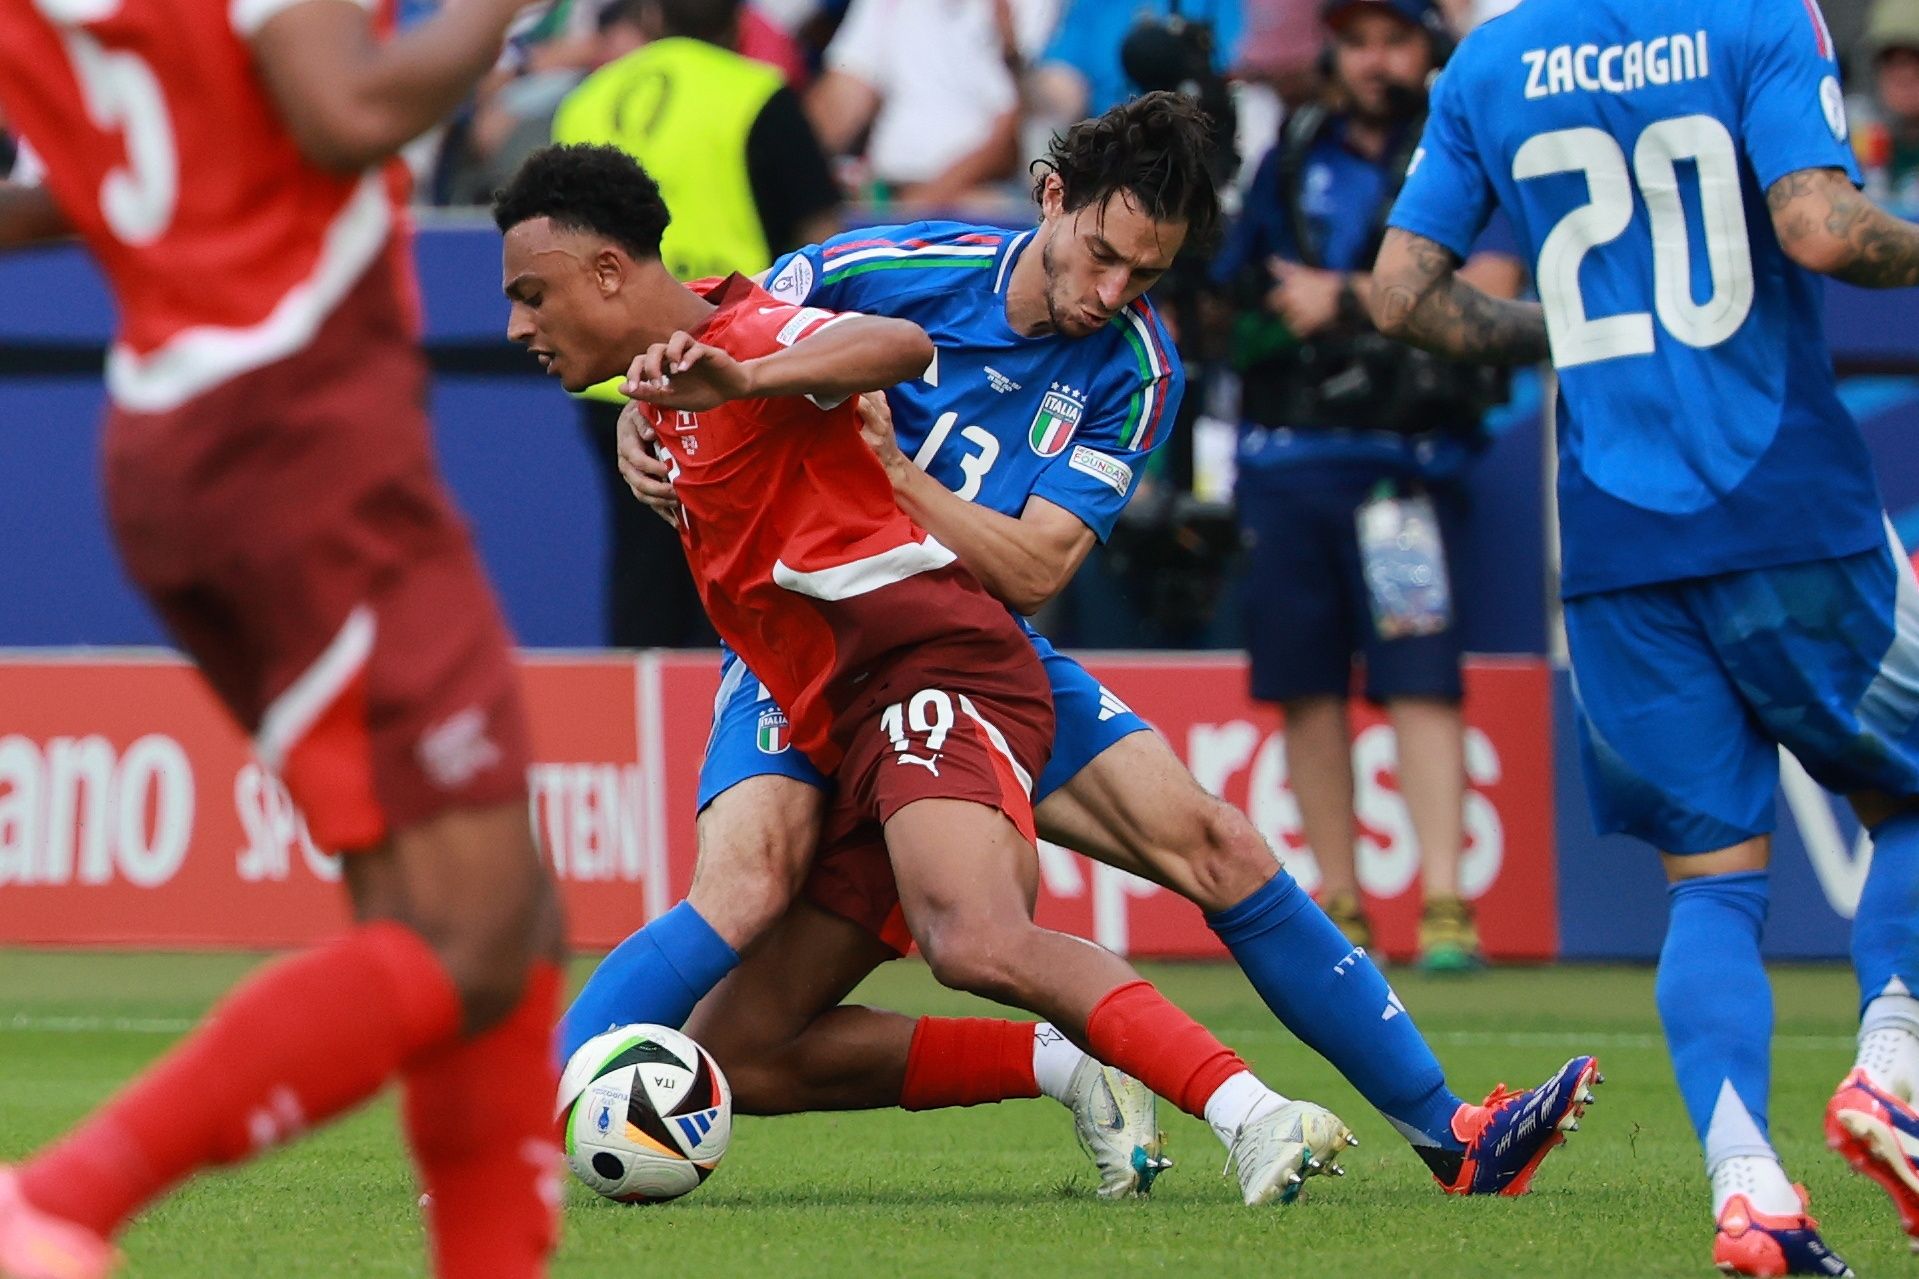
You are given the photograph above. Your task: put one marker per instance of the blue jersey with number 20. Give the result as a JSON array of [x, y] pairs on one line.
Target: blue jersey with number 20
[[1000, 417], [1631, 143]]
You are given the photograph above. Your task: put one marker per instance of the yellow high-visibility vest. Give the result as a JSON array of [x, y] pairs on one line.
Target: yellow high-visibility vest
[[683, 108]]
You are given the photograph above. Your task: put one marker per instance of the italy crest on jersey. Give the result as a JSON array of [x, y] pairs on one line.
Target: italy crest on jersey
[[1060, 410], [773, 732]]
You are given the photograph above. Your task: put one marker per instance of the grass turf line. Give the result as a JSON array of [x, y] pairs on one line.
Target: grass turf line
[[1003, 1187]]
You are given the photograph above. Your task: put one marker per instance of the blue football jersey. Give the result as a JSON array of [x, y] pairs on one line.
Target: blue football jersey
[[1000, 418], [1631, 142]]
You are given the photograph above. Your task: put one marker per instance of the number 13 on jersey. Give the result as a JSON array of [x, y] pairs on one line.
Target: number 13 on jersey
[[973, 464]]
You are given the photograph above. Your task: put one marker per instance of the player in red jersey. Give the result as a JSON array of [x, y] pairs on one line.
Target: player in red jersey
[[901, 675], [271, 485]]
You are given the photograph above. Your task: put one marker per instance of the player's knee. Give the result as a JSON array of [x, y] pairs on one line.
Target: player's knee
[[749, 1062], [765, 1077], [759, 1057], [490, 954], [1212, 852], [752, 862], [487, 927], [982, 958], [742, 896], [1233, 859]]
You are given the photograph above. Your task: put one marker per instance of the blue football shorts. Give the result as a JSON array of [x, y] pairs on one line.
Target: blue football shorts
[[1686, 691], [749, 737]]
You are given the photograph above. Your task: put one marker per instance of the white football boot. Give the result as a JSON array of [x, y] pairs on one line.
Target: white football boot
[[1277, 1151], [1116, 1117]]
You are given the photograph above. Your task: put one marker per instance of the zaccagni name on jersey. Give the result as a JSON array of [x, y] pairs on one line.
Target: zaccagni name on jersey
[[1615, 68]]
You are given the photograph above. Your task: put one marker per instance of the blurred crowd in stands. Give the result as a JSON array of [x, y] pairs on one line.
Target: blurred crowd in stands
[[938, 104]]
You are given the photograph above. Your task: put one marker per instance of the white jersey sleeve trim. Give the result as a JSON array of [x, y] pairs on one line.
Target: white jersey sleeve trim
[[196, 360], [860, 577], [246, 17]]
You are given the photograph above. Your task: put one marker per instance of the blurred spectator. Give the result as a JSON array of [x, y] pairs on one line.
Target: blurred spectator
[[1886, 134], [726, 139], [1351, 454], [1080, 73], [1467, 14], [745, 179], [1281, 46], [546, 58], [765, 40], [511, 115], [1846, 19], [934, 87]]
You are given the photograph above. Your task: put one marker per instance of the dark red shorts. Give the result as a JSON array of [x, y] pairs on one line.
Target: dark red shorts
[[942, 725], [293, 533]]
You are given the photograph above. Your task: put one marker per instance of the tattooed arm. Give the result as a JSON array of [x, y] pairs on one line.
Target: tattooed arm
[[1418, 297], [1826, 225]]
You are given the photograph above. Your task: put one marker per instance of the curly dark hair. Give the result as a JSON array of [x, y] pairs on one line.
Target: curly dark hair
[[586, 187], [1153, 148]]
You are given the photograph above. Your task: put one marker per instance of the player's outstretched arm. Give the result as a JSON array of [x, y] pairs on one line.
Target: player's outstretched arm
[[351, 99], [1826, 224], [840, 358], [853, 353], [1418, 297], [28, 215]]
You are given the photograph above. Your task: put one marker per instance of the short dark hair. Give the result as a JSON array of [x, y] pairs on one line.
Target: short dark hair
[[586, 187], [714, 21], [1154, 148]]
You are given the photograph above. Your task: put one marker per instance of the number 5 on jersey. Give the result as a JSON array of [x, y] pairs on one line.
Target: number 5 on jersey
[[123, 96]]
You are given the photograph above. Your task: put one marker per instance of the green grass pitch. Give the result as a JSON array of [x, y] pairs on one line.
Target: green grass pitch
[[1003, 1189]]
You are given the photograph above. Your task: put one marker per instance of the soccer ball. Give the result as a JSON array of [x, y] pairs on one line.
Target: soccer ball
[[645, 1114]]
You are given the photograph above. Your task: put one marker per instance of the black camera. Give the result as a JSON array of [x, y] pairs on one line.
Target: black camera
[[1175, 54]]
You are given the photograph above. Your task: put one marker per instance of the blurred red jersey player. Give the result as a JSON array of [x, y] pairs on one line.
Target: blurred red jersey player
[[904, 679], [272, 490]]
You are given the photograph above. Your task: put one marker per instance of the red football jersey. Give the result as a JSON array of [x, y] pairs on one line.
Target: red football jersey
[[224, 246], [805, 562]]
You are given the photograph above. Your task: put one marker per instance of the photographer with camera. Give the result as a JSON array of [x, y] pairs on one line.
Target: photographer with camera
[[1087, 67], [1352, 453]]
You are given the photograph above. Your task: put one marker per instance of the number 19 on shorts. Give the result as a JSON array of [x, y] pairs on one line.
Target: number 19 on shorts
[[928, 715]]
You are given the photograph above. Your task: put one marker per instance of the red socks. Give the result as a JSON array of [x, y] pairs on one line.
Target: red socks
[[1141, 1032], [964, 1061], [479, 1116], [303, 1040]]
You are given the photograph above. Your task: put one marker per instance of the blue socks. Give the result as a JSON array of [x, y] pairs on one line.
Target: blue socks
[[1716, 1005], [656, 976], [1330, 994], [1885, 931]]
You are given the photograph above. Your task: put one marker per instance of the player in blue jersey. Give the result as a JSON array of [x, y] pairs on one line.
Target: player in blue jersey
[[1681, 173], [1054, 380]]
